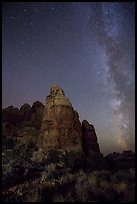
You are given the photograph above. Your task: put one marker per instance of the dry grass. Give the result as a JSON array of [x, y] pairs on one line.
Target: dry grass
[[58, 183], [96, 186], [67, 198]]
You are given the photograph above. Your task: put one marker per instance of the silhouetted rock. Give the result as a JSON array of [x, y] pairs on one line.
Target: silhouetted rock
[[25, 110], [61, 128], [11, 115], [55, 125], [21, 126], [124, 160], [36, 114], [89, 138], [26, 115]]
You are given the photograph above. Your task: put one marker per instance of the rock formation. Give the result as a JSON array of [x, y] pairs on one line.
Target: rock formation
[[22, 125], [55, 125], [89, 138], [26, 115], [11, 115], [36, 114], [61, 128], [25, 110]]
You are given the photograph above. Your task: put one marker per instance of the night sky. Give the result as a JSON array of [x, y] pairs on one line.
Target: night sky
[[88, 49]]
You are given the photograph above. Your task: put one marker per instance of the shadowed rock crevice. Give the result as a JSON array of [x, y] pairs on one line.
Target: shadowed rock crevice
[[89, 138]]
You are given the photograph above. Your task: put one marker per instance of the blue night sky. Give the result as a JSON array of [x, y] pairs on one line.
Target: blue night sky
[[87, 48]]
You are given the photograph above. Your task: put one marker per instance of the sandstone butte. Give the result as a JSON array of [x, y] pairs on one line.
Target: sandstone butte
[[61, 128]]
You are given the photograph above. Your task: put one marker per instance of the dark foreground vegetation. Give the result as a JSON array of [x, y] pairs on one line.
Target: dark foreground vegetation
[[58, 176], [63, 177]]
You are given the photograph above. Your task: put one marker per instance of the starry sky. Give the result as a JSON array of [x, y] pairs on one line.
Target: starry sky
[[87, 48]]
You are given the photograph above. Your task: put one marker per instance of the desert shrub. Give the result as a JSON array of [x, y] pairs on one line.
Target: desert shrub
[[82, 187], [55, 175], [32, 194], [53, 156], [8, 156], [46, 192], [16, 154], [89, 189], [120, 187], [23, 152], [99, 186], [76, 187], [67, 198], [73, 160], [68, 178], [17, 168], [100, 180], [103, 175], [95, 161], [121, 175], [128, 175], [59, 198], [49, 172], [24, 192], [11, 197], [8, 143], [52, 186], [62, 177], [93, 180]]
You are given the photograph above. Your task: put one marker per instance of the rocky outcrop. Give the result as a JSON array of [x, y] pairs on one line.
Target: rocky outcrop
[[89, 138], [26, 115], [21, 126], [11, 115], [25, 110], [35, 115], [61, 128], [55, 125]]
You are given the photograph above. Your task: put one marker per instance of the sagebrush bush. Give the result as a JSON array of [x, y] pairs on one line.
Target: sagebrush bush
[[63, 179], [8, 143]]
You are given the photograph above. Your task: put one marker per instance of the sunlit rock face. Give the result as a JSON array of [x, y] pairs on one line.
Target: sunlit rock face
[[57, 97], [61, 128]]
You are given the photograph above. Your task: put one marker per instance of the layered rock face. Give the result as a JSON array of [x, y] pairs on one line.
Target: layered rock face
[[36, 114], [89, 138], [55, 125], [27, 115], [11, 115], [61, 128]]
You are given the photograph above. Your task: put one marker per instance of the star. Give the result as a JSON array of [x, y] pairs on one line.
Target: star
[[90, 45], [22, 42], [13, 18]]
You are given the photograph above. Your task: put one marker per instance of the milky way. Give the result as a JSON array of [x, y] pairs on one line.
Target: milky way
[[87, 49]]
